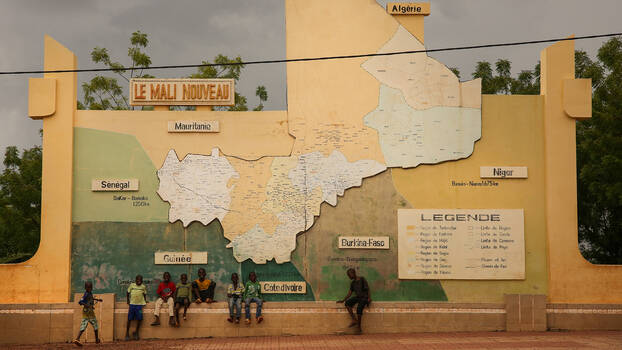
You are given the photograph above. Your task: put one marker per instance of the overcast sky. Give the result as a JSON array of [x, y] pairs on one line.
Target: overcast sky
[[187, 32]]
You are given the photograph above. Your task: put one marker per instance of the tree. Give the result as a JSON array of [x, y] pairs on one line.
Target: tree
[[599, 157], [527, 82], [20, 204], [263, 97], [105, 93]]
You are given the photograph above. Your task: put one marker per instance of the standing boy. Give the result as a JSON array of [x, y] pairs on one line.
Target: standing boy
[[234, 293], [203, 288], [182, 297], [165, 292], [136, 299], [88, 313], [252, 294], [363, 298]]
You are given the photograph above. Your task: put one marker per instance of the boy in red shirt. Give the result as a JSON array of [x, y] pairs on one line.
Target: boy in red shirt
[[165, 291]]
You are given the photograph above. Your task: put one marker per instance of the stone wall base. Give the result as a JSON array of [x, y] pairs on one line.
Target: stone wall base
[[57, 323]]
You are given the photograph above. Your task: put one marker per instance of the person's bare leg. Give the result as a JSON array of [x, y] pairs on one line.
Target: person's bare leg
[[353, 323], [359, 318], [77, 340], [186, 305], [127, 330], [136, 336]]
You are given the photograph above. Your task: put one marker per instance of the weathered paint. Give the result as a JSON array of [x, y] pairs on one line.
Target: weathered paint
[[103, 154], [511, 134], [112, 253], [369, 210], [272, 271], [532, 131]]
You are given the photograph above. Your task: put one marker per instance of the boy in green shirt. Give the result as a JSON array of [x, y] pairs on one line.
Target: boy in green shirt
[[252, 294], [136, 299]]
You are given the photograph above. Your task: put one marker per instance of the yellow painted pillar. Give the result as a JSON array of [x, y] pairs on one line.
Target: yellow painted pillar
[[46, 277], [572, 279]]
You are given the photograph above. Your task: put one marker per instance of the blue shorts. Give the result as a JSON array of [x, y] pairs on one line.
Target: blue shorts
[[135, 312]]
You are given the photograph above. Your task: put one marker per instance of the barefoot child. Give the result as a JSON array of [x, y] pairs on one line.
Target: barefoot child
[[363, 298], [182, 297], [88, 313], [203, 288], [165, 296], [252, 294], [136, 299], [234, 293]]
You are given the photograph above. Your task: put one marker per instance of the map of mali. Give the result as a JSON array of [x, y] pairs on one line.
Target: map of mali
[[425, 115]]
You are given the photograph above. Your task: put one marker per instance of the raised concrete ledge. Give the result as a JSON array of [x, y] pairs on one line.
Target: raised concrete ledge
[[54, 323], [331, 305], [584, 316]]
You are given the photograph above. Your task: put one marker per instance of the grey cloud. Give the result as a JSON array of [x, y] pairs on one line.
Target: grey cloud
[[184, 32]]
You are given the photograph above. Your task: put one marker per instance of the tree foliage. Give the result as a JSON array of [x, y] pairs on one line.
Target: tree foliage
[[20, 204], [599, 157], [500, 81], [104, 92]]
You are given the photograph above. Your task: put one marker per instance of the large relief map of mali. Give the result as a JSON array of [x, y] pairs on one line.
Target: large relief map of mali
[[424, 115]]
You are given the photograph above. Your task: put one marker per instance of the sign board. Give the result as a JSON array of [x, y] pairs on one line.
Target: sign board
[[408, 8], [114, 185], [193, 126], [363, 242], [180, 258], [177, 92], [503, 172], [280, 287], [461, 244]]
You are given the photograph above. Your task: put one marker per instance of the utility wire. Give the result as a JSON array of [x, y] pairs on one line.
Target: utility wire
[[323, 58]]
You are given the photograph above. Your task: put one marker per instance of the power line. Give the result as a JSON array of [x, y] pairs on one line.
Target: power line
[[323, 58]]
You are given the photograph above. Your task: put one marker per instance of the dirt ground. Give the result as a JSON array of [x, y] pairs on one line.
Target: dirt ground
[[494, 340]]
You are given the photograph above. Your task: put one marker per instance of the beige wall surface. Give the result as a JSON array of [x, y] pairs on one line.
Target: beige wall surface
[[512, 135], [572, 279]]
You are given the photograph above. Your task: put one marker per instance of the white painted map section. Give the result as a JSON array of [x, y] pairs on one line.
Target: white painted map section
[[424, 115], [424, 81], [196, 187], [332, 174], [409, 137], [296, 190]]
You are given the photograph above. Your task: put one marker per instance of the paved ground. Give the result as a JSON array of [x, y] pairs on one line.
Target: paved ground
[[473, 341]]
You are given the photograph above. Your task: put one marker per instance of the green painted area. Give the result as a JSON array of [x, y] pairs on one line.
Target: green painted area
[[111, 254], [114, 240], [385, 286], [108, 155], [272, 271], [366, 211]]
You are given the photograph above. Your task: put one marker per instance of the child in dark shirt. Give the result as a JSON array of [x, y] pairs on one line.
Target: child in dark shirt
[[362, 297]]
